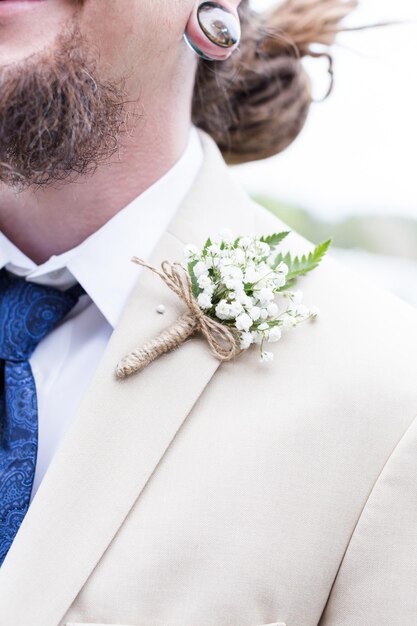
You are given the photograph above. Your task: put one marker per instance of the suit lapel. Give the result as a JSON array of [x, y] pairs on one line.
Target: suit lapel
[[122, 428]]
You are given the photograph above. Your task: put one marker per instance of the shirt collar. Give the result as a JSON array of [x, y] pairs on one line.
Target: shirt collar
[[102, 263]]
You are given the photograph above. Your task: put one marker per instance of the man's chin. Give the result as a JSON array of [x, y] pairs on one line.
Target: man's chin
[[57, 119]]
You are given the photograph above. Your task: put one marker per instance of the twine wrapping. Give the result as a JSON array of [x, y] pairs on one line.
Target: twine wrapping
[[222, 340]]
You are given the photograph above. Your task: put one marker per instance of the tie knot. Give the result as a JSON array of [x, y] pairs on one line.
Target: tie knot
[[28, 312]]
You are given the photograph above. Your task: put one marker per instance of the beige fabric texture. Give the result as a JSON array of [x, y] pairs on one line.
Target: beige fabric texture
[[199, 494]]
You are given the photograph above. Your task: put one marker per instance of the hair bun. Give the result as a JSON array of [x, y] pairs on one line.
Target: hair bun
[[256, 103]]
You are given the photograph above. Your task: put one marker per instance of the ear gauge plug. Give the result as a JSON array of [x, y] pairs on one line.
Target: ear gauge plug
[[213, 31], [219, 25]]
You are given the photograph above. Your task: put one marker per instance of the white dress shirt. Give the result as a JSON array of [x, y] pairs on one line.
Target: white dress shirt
[[64, 362]]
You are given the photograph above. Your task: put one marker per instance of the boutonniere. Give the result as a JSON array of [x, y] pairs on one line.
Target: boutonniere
[[238, 292]]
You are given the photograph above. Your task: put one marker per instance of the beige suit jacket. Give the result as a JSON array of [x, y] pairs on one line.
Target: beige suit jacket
[[195, 494]]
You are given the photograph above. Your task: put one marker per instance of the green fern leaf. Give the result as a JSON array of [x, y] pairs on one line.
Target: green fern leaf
[[275, 239], [299, 266], [207, 244], [194, 284], [282, 258]]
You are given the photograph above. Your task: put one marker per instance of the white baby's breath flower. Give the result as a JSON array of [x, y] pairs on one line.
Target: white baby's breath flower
[[233, 277], [282, 269], [264, 314], [251, 275], [235, 309], [244, 322], [245, 242], [212, 261], [255, 313], [266, 357], [266, 269], [235, 272], [275, 334], [204, 301], [200, 268], [263, 326], [223, 310], [190, 252], [214, 249], [233, 284], [288, 321], [279, 280], [265, 296], [242, 297], [263, 248], [258, 337], [239, 256], [204, 281], [209, 291], [246, 340]]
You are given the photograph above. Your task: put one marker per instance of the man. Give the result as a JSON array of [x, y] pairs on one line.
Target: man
[[194, 493]]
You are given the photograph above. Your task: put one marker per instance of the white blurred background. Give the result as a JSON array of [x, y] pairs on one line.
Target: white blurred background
[[352, 172]]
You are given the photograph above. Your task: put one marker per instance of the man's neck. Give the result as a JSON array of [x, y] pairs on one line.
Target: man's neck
[[48, 221]]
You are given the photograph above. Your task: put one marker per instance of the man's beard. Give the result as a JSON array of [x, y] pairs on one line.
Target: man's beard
[[57, 119]]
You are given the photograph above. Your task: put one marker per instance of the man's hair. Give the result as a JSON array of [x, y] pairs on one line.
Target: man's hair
[[256, 103]]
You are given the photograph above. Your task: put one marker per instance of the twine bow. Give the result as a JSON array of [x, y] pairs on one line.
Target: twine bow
[[222, 340]]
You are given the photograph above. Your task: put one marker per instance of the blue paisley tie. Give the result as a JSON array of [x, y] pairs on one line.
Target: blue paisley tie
[[28, 312]]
